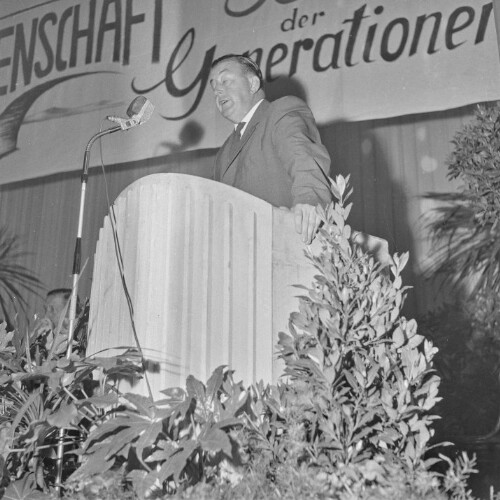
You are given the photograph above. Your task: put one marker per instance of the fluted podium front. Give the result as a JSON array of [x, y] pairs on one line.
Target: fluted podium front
[[210, 271]]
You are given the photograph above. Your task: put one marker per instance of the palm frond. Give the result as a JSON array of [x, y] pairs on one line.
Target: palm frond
[[16, 280]]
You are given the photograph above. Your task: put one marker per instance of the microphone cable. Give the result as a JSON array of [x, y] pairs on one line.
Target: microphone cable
[[119, 260]]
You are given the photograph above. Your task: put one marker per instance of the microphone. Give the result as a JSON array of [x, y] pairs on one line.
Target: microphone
[[139, 112]]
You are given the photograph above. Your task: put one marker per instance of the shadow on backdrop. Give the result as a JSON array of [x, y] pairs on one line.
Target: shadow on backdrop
[[190, 135]]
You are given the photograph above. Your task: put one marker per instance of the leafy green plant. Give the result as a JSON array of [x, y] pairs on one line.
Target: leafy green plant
[[354, 341], [42, 395], [466, 258], [171, 443]]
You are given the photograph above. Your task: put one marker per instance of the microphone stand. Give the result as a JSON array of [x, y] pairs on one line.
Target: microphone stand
[[76, 276], [78, 245]]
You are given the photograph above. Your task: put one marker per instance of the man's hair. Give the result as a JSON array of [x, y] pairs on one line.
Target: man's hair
[[248, 65], [65, 293]]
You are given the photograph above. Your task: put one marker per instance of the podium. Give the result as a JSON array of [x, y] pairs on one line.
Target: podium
[[210, 272]]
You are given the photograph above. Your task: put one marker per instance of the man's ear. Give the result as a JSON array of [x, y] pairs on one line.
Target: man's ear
[[254, 84]]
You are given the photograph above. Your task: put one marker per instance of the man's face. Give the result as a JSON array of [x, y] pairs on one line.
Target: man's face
[[54, 307], [235, 92]]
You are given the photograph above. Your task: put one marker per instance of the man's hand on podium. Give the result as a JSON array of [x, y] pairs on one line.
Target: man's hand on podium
[[307, 221]]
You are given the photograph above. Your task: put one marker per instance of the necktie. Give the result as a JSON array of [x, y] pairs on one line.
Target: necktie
[[239, 127]]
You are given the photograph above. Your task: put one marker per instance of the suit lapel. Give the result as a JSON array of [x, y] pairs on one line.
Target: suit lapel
[[233, 148], [224, 155]]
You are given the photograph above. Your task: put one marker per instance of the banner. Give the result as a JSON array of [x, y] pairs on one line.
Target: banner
[[67, 64]]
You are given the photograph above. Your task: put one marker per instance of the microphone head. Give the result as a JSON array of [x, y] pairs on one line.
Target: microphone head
[[136, 105], [139, 112], [141, 109]]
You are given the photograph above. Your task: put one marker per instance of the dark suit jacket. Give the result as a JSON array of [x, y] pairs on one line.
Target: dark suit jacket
[[280, 157]]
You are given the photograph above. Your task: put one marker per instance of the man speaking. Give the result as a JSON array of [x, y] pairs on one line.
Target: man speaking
[[275, 152]]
